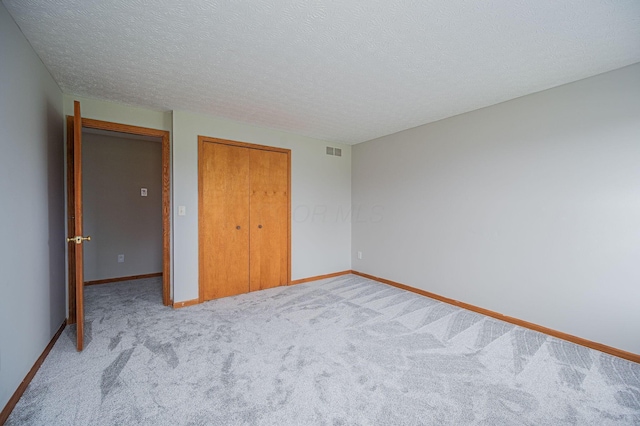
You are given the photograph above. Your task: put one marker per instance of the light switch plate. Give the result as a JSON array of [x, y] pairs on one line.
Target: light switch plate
[[182, 211], [143, 192]]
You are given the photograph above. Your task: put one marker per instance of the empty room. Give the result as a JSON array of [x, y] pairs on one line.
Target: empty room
[[320, 213]]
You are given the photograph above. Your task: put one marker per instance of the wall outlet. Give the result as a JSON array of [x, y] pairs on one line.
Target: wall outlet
[[359, 255], [121, 258]]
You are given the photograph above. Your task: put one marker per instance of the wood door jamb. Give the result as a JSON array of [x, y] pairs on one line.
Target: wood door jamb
[[164, 135]]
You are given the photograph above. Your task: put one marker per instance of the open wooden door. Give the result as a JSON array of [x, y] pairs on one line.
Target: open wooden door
[[76, 238], [75, 125]]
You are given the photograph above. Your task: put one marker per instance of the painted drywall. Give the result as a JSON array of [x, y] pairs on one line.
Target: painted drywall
[[116, 216], [529, 208], [32, 238], [119, 113], [320, 198]]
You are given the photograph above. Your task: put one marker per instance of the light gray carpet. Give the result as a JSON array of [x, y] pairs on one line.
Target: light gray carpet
[[341, 351]]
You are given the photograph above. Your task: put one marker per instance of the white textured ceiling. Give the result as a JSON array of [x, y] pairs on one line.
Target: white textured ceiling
[[338, 70]]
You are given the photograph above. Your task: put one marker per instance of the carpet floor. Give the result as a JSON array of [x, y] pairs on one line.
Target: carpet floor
[[341, 351]]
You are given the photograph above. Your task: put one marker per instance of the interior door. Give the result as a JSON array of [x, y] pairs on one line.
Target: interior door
[[76, 239], [269, 246], [224, 220]]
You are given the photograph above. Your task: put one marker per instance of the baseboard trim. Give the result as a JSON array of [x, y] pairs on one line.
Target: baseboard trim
[[294, 282], [319, 277], [118, 279], [184, 304], [549, 331], [6, 411]]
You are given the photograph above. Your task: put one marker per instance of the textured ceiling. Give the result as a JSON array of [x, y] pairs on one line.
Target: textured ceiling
[[338, 70]]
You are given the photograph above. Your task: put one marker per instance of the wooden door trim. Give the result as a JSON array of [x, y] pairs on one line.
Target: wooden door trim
[[201, 141], [77, 212], [164, 135], [243, 144], [120, 279], [208, 139], [289, 217], [71, 224], [200, 213]]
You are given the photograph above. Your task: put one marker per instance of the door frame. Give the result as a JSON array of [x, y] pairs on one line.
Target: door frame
[[166, 201], [207, 139]]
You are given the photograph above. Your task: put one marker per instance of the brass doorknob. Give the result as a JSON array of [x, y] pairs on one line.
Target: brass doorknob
[[78, 239]]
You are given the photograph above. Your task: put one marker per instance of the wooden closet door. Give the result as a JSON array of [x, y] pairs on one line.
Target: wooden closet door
[[269, 218], [224, 220]]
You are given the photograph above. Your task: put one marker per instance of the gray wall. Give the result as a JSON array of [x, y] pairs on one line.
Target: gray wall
[[320, 198], [320, 188], [32, 221], [530, 208], [119, 220]]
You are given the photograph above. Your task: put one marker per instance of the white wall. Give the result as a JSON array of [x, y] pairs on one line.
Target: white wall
[[530, 208], [32, 238], [320, 198], [119, 113], [118, 219]]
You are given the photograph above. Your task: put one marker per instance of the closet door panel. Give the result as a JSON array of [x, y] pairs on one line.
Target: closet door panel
[[224, 221], [269, 218]]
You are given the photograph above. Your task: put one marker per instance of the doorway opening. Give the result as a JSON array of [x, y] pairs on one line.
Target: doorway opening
[[132, 134]]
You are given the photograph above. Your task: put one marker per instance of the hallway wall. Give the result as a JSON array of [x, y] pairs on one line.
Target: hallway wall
[[120, 220]]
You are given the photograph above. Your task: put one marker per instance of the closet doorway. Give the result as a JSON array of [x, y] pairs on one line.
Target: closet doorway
[[244, 217], [76, 253]]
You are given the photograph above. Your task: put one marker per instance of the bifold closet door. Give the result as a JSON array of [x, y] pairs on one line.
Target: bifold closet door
[[224, 227], [269, 219]]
